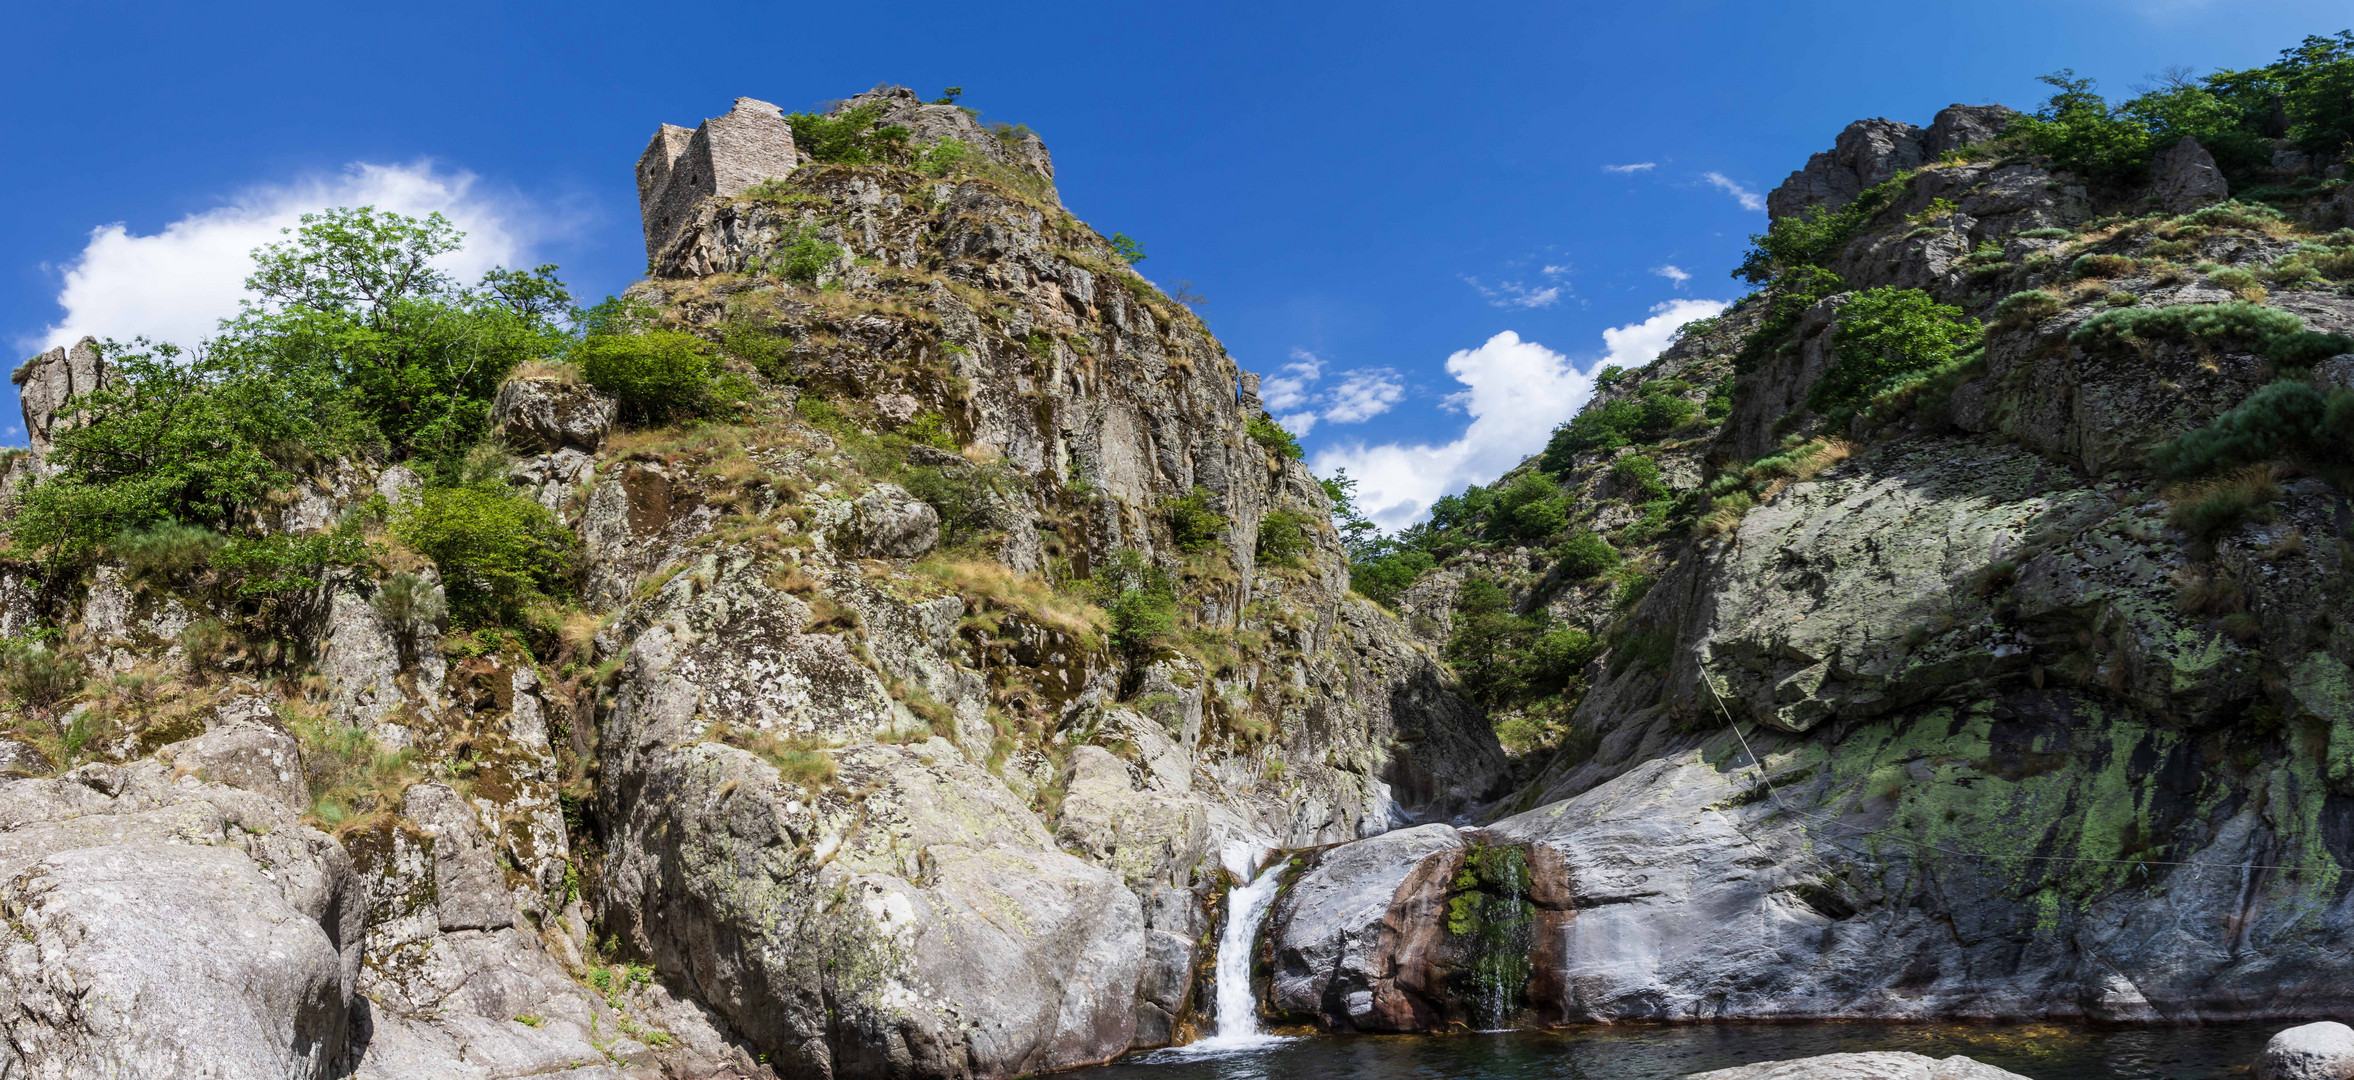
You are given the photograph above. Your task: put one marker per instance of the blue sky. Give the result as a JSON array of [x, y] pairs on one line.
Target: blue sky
[[1407, 213]]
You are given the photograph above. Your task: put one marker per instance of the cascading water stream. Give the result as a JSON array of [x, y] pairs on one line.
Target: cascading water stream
[[1238, 943]]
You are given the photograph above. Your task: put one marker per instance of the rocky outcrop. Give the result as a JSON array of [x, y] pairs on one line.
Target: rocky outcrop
[[1878, 1065], [2187, 178], [165, 925], [46, 382], [542, 415], [1871, 151]]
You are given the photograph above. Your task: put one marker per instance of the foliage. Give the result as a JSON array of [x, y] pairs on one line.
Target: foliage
[[1271, 435], [1140, 599], [1884, 335], [655, 375], [1358, 534], [286, 566], [1129, 249], [944, 157], [37, 673], [2027, 306], [197, 441], [1787, 298], [2207, 325], [1193, 523], [1503, 658], [164, 550], [1657, 408], [1583, 555], [2287, 419], [1637, 479], [1382, 575], [1816, 235], [1283, 537], [499, 553], [806, 258], [854, 136], [966, 496]]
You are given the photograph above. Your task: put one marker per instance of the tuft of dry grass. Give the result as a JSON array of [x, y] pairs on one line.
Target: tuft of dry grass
[[2205, 508], [1028, 594]]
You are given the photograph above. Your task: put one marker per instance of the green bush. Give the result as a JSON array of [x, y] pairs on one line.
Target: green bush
[[286, 567], [656, 375], [2101, 266], [1283, 537], [1657, 409], [1505, 659], [2027, 306], [1815, 236], [2210, 325], [1194, 524], [1883, 336], [944, 157], [1271, 435], [1787, 298], [2206, 509], [1530, 508], [852, 137], [807, 258], [1585, 555], [2287, 419], [2046, 233], [1127, 248], [2079, 132], [38, 674], [1383, 576], [1140, 599], [499, 553], [1637, 479], [165, 550], [966, 496]]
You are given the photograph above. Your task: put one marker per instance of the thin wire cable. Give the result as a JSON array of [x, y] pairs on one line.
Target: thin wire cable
[[1758, 763]]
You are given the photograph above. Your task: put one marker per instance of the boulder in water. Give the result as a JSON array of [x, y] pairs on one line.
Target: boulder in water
[[2323, 1051]]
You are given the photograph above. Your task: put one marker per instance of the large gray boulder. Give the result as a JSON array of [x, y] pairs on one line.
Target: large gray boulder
[[2186, 178], [46, 382], [1341, 933], [544, 414], [169, 926], [2321, 1051], [1876, 1065]]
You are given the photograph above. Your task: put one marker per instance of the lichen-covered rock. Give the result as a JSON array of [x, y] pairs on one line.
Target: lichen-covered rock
[[165, 926], [260, 756], [540, 415], [46, 382]]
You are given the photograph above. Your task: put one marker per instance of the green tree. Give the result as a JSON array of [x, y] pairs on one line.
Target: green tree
[[1884, 335], [498, 552]]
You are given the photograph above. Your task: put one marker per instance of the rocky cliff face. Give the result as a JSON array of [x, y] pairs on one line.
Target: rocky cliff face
[[841, 770], [1968, 716]]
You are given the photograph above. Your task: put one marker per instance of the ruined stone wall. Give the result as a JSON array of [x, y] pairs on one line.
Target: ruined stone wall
[[726, 155]]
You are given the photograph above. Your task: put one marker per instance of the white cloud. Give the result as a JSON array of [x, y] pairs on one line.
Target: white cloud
[[1672, 273], [175, 285], [1555, 270], [1361, 394], [1513, 294], [1515, 392], [1750, 200], [1640, 166]]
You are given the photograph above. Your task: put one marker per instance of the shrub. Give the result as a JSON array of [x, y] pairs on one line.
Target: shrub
[[2101, 266], [944, 157], [966, 496], [807, 258], [1884, 335], [1271, 435], [166, 549], [1139, 598], [2027, 307], [769, 352], [1127, 248], [2210, 325], [1382, 577], [1530, 508], [38, 674], [1637, 479], [655, 376], [2283, 420], [1657, 409], [2208, 507], [1815, 236], [2305, 348], [1193, 523], [497, 552], [850, 137], [2046, 233], [1585, 555], [1283, 536], [1787, 298]]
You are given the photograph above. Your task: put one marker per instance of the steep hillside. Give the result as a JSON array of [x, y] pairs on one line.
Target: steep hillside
[[871, 646], [1977, 649]]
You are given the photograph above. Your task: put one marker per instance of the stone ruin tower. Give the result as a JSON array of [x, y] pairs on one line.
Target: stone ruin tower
[[724, 156]]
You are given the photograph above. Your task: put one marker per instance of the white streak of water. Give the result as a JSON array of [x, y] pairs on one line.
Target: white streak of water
[[1238, 944]]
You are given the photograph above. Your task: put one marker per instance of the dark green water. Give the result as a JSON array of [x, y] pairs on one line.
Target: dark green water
[[2038, 1051]]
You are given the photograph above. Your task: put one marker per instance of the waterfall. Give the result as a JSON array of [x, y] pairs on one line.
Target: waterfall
[[1238, 944]]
